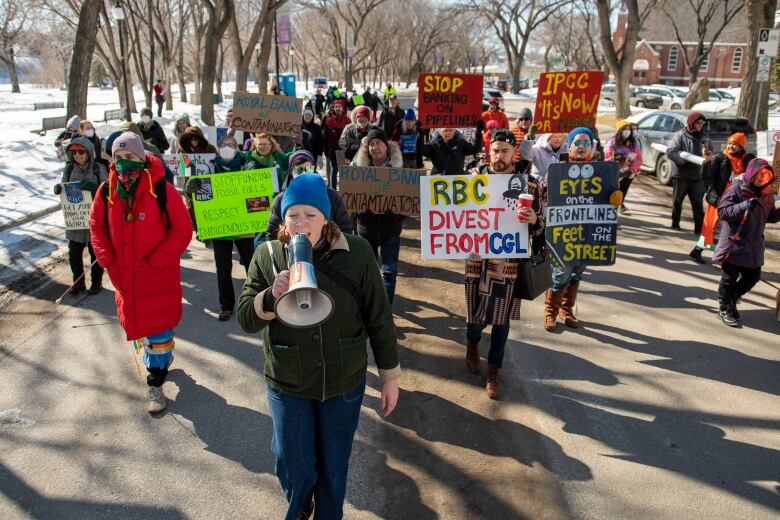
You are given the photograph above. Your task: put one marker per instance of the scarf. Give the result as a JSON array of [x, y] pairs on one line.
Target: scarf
[[737, 166], [264, 161]]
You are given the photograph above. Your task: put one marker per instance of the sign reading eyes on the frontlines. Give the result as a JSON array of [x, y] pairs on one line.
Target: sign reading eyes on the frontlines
[[465, 214], [449, 100], [275, 115], [233, 204], [566, 100], [581, 223]]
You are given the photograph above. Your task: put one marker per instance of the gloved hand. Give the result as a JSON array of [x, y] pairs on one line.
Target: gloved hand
[[752, 203], [480, 126], [192, 186], [616, 198], [532, 131], [57, 189], [89, 186]]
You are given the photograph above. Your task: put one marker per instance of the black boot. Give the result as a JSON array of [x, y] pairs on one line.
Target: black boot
[[725, 314], [733, 306], [696, 255]]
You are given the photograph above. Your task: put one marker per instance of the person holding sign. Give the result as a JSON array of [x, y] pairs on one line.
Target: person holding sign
[[410, 139], [266, 153], [624, 148], [82, 168], [448, 150], [140, 228], [688, 149], [316, 376], [562, 295], [547, 150], [490, 284], [353, 133]]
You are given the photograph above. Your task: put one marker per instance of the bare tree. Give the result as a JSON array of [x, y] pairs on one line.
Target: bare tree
[[711, 17], [244, 55], [81, 59], [219, 15], [760, 14], [15, 16]]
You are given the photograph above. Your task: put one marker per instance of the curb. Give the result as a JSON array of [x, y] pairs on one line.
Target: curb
[[31, 216]]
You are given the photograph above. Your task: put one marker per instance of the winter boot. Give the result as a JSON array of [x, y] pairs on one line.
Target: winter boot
[[493, 387], [567, 306], [552, 302], [726, 315], [472, 357], [696, 255], [733, 305]]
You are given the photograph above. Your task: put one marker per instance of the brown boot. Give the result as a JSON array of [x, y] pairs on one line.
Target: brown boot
[[493, 387], [472, 357], [567, 306], [552, 303]]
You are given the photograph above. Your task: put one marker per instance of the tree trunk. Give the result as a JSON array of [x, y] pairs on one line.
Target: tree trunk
[[622, 65], [219, 20], [81, 58], [264, 56], [10, 62], [180, 75], [760, 14], [168, 75]]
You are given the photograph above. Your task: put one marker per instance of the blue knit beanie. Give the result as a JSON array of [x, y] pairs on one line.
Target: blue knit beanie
[[410, 116], [308, 189], [581, 130]]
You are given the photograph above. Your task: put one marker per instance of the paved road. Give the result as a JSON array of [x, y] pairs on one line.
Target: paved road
[[653, 410]]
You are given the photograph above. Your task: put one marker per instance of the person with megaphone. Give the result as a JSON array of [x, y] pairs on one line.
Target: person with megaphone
[[318, 297]]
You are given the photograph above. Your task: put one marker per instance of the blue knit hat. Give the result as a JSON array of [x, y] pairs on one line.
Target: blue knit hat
[[410, 116], [580, 130], [308, 189]]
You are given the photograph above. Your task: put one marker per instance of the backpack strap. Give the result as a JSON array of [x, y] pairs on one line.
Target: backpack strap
[[343, 282], [161, 191]]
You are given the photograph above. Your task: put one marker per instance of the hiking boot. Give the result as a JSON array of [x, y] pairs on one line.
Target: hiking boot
[[567, 306], [306, 513], [696, 255], [157, 402], [472, 357], [493, 387], [225, 315], [95, 288], [726, 315], [734, 311], [552, 302]]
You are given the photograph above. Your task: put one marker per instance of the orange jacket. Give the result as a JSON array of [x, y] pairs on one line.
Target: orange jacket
[[497, 116]]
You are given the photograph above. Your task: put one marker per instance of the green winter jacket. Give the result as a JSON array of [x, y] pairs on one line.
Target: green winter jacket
[[330, 359]]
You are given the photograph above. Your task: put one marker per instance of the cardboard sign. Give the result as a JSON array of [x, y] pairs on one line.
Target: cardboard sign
[[566, 100], [378, 190], [275, 115], [464, 214], [75, 206], [581, 223], [449, 100], [233, 204], [775, 166]]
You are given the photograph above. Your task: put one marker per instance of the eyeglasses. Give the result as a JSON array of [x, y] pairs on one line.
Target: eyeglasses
[[586, 144], [78, 152], [524, 118], [298, 169]]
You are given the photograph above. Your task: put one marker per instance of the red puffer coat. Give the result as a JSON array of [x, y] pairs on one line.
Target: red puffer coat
[[141, 255]]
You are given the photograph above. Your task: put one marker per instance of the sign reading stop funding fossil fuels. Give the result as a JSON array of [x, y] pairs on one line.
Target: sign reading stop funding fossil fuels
[[465, 214], [581, 223], [233, 204]]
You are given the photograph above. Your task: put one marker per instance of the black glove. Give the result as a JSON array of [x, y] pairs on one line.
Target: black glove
[[192, 186], [57, 189], [89, 186], [480, 126]]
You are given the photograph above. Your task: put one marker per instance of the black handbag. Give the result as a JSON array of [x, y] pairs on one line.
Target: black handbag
[[534, 276], [712, 196]]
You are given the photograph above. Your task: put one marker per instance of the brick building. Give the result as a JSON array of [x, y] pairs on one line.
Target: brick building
[[658, 56]]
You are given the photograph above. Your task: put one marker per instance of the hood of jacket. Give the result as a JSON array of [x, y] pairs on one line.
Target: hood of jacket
[[87, 144], [189, 133], [363, 158], [544, 143]]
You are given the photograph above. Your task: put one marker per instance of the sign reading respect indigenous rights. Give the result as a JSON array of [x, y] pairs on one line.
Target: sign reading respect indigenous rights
[[75, 206], [566, 100], [464, 214], [233, 204], [368, 188], [276, 115], [581, 223], [449, 100]]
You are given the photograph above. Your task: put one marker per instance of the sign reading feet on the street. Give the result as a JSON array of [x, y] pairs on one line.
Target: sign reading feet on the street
[[581, 222]]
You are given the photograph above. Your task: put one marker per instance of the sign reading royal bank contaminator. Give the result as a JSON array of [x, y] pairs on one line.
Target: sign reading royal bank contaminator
[[276, 115]]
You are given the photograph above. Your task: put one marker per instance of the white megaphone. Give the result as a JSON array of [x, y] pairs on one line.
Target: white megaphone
[[304, 304]]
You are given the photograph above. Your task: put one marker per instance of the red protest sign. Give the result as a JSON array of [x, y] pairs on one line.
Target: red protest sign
[[566, 100], [449, 100]]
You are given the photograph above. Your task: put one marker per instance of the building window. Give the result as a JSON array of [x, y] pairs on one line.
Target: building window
[[672, 64], [705, 62], [736, 62]]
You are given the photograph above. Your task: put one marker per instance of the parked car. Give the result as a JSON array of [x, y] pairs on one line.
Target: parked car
[[503, 84], [659, 127], [672, 98], [638, 96]]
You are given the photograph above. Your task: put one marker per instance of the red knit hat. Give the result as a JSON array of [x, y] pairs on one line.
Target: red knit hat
[[693, 117], [362, 110]]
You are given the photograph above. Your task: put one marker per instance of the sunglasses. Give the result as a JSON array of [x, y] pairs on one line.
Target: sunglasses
[[586, 144], [78, 152], [523, 118]]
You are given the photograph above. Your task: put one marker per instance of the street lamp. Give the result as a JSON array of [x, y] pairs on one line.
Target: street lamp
[[119, 16]]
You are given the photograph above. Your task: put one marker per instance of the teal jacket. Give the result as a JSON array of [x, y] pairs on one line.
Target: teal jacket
[[330, 359]]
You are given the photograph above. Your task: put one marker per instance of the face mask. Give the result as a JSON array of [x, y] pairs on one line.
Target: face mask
[[625, 134], [227, 153], [146, 119], [127, 169], [89, 133]]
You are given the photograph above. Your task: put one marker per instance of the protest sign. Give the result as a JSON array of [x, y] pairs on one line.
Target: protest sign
[[189, 164], [275, 115], [464, 214], [368, 188], [408, 143], [581, 223], [776, 168], [233, 204], [449, 100], [357, 100], [566, 100], [75, 206]]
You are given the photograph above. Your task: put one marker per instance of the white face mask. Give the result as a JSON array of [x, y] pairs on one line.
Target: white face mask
[[89, 133], [146, 119], [625, 134], [227, 153]]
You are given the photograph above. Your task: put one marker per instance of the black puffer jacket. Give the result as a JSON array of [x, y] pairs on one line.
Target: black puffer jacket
[[686, 141], [154, 133], [718, 172], [449, 158]]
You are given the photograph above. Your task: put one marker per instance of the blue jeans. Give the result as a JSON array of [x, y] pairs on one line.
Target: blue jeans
[[312, 442], [388, 248], [563, 276], [498, 336]]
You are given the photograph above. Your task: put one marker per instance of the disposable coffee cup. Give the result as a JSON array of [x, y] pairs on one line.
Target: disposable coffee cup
[[525, 200]]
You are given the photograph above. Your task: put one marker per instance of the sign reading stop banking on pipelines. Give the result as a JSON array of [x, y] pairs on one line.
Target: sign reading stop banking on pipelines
[[581, 223], [449, 100], [566, 100], [233, 204], [464, 214]]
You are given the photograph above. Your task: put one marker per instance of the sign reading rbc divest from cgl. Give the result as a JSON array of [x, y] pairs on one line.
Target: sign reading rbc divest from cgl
[[449, 100], [275, 115], [375, 189], [566, 100], [581, 223], [464, 214]]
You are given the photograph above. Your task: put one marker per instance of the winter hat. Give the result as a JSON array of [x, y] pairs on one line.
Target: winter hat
[[410, 115], [376, 133], [228, 137], [492, 124], [129, 126], [308, 189], [504, 135], [308, 111], [580, 130], [184, 117], [739, 138], [299, 157], [73, 123], [526, 114], [146, 111], [622, 124], [362, 110], [693, 117], [130, 142], [340, 102]]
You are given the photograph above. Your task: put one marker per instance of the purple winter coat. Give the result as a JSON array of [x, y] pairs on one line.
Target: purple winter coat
[[749, 249]]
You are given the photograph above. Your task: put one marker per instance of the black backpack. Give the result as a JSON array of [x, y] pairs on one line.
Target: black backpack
[[160, 190]]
